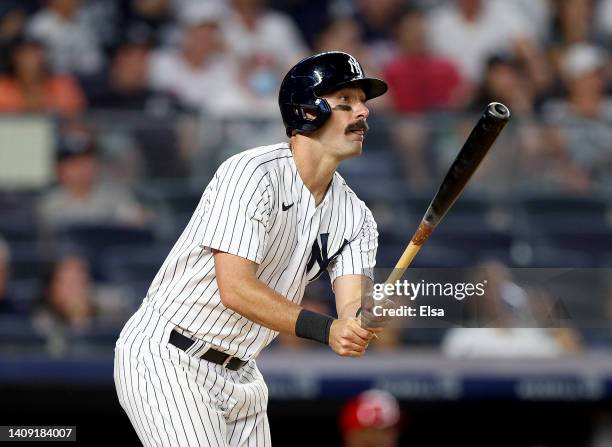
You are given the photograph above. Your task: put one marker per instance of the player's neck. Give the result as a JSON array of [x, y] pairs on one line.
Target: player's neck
[[315, 167]]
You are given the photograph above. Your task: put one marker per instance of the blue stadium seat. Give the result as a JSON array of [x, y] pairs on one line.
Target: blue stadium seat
[[126, 264], [568, 213], [94, 240]]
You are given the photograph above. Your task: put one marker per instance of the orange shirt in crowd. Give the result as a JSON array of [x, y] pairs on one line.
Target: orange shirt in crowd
[[59, 94]]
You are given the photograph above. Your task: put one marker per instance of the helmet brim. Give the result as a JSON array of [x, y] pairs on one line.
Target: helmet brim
[[372, 87]]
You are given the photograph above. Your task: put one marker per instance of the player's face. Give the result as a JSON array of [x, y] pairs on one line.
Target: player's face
[[345, 130]]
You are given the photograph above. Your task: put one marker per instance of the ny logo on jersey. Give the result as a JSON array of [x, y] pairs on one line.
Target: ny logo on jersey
[[321, 256]]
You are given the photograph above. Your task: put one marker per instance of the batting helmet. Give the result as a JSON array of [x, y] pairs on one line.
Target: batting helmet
[[301, 90]]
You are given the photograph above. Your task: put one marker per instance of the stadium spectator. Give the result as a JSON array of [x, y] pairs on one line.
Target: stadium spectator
[[201, 74], [254, 31], [582, 121], [573, 22], [30, 87], [73, 45], [12, 24], [504, 324], [603, 20], [154, 18], [376, 18], [372, 419], [67, 295], [78, 196], [505, 81], [6, 304], [126, 86], [468, 31], [345, 34], [420, 82]]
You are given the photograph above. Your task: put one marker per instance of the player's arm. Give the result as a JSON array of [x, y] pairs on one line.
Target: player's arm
[[245, 294], [349, 291]]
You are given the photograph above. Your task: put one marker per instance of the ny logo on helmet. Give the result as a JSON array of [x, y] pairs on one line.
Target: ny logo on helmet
[[355, 67]]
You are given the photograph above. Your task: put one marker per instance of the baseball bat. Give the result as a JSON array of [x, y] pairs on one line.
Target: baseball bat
[[478, 143]]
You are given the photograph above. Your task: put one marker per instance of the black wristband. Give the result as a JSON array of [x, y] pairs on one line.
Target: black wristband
[[313, 326]]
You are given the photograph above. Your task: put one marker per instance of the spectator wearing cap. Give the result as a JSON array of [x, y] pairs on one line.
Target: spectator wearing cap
[[200, 74], [73, 45], [582, 120], [372, 419], [29, 86], [78, 197]]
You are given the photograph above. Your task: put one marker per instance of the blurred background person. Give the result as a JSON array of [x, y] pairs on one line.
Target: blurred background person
[[78, 197], [371, 419], [252, 30], [468, 31], [582, 119], [504, 324], [66, 295], [421, 82], [29, 86], [12, 24], [71, 303], [506, 81], [376, 19], [71, 40], [345, 34], [127, 87], [154, 18], [201, 74], [7, 305]]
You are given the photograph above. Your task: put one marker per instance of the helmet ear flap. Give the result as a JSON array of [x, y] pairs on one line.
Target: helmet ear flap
[[310, 117]]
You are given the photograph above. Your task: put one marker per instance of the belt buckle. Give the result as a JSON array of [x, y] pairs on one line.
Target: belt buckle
[[227, 360]]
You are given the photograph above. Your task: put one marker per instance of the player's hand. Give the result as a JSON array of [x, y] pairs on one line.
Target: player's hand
[[374, 320], [348, 339]]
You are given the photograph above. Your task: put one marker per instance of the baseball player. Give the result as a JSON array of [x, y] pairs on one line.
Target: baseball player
[[272, 219]]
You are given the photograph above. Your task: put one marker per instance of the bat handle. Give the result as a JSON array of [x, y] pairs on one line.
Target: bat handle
[[404, 262], [420, 236]]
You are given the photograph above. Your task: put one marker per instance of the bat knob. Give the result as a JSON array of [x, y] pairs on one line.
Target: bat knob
[[499, 111]]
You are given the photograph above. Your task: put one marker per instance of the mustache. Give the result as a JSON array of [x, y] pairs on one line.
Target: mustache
[[358, 125]]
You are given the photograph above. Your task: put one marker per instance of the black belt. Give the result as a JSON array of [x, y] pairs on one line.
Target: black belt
[[211, 355]]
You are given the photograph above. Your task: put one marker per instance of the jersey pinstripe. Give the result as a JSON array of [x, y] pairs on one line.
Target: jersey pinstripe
[[257, 207]]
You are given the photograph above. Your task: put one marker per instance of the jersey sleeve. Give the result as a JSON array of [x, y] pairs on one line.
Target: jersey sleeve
[[235, 210], [358, 257]]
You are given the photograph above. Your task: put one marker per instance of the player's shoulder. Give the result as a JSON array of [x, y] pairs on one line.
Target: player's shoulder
[[263, 157], [260, 160], [347, 193]]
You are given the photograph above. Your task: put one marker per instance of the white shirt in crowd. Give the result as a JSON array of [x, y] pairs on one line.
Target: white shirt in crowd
[[469, 44], [73, 45]]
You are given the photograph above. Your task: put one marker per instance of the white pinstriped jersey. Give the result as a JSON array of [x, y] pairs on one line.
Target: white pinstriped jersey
[[257, 207]]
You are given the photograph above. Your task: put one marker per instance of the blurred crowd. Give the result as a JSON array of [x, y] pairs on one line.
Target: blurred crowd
[[147, 96]]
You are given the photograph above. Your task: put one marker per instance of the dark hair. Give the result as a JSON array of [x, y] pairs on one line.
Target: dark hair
[[18, 43]]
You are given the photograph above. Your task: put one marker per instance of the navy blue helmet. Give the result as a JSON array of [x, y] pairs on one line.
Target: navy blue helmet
[[299, 98]]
